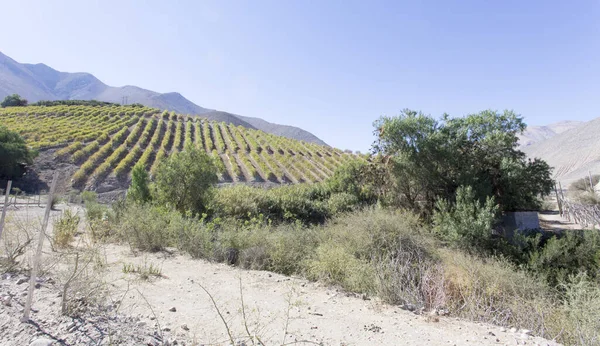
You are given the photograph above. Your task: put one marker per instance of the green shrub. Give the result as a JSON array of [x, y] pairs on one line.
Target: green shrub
[[559, 258], [467, 224], [185, 180]]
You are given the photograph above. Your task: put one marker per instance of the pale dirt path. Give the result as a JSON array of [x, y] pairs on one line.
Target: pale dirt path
[[318, 313], [552, 221]]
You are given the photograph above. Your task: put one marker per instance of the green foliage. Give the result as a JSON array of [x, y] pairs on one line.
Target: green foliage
[[432, 158], [308, 204], [65, 228], [14, 154], [467, 223], [139, 191], [13, 100], [349, 179], [185, 180], [561, 257]]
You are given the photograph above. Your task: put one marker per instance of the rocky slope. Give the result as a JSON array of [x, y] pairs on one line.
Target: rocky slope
[[573, 153]]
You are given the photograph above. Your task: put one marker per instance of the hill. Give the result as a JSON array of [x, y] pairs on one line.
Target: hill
[[104, 143], [534, 134], [572, 153], [37, 82]]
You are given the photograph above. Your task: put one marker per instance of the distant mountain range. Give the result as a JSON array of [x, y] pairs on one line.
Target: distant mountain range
[[36, 82], [571, 147], [534, 134]]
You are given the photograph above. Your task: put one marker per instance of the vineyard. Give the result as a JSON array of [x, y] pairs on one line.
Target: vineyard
[[108, 141]]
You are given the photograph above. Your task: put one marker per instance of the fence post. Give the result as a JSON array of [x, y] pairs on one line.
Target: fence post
[[558, 201], [6, 198], [38, 255]]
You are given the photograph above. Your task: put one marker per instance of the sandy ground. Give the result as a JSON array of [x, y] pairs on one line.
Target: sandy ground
[[277, 309]]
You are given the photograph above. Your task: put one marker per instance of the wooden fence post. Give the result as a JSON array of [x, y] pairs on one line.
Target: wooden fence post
[[558, 201], [6, 198], [38, 255]]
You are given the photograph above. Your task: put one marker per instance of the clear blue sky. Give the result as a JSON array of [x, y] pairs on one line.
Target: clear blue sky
[[330, 67]]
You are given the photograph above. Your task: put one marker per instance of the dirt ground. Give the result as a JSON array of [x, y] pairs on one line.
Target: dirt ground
[[278, 310]]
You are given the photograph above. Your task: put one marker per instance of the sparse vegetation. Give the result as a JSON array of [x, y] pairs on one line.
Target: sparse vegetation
[[65, 228]]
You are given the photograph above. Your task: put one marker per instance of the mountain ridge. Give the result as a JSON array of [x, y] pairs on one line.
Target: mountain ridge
[[573, 152], [37, 82]]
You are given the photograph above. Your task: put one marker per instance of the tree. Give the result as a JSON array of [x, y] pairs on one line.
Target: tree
[[13, 100], [185, 180], [14, 154], [431, 159], [139, 191]]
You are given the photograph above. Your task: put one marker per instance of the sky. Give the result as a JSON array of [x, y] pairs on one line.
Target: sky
[[330, 67]]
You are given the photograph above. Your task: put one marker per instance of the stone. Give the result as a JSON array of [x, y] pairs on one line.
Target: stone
[[21, 281], [185, 327], [42, 342], [513, 330], [173, 309]]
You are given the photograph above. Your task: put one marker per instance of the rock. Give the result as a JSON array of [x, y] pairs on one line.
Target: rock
[[526, 331], [502, 329], [141, 324], [21, 281], [42, 342], [173, 309], [513, 330], [185, 327]]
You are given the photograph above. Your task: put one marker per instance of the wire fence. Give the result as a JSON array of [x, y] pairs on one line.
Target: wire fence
[[581, 214], [39, 199]]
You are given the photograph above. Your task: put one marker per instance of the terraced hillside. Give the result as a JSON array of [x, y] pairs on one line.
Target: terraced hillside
[[106, 142]]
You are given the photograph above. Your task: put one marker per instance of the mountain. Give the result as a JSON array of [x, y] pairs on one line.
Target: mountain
[[573, 152], [37, 82], [534, 134]]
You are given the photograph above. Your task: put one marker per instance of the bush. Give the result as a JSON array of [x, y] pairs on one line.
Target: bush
[[560, 258], [581, 308], [352, 246], [15, 155], [139, 191], [185, 180], [492, 290], [65, 228], [148, 228], [466, 224], [303, 203]]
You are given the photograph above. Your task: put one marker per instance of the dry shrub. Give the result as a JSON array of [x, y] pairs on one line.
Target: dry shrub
[[491, 290], [17, 237], [358, 251], [81, 276], [65, 228], [581, 311]]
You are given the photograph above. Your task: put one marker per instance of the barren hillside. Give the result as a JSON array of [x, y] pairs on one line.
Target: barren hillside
[[572, 153]]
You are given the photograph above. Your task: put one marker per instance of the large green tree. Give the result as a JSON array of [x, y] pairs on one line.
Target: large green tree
[[13, 100], [14, 154], [185, 180], [430, 159]]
